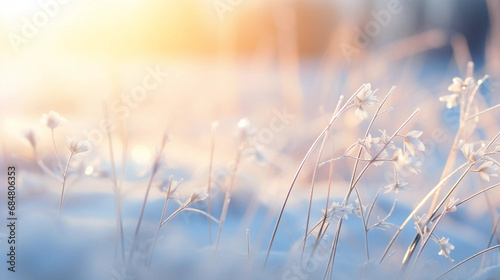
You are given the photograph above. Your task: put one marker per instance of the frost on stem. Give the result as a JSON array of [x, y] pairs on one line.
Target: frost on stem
[[364, 98], [396, 187], [53, 120]]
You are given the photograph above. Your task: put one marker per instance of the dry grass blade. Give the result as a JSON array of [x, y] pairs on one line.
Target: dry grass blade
[[156, 166], [306, 157], [466, 260], [116, 189]]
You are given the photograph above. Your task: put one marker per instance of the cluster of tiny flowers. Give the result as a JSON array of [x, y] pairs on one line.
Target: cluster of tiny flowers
[[404, 159]]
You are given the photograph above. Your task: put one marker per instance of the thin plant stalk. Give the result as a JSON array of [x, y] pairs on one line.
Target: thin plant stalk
[[424, 242], [493, 232], [412, 247], [331, 260], [156, 166], [464, 116], [467, 259], [64, 175], [248, 243], [227, 198], [58, 158], [418, 207], [299, 169], [116, 190], [209, 186], [312, 191], [324, 225], [165, 204]]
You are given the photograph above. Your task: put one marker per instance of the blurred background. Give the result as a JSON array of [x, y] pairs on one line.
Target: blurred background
[[180, 65]]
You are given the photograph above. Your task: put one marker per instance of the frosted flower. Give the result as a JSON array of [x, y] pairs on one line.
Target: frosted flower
[[371, 146], [30, 135], [198, 196], [53, 120], [364, 98], [385, 139], [338, 211], [459, 84], [421, 224], [487, 169], [396, 187], [470, 155], [451, 100], [78, 147], [445, 247], [404, 162], [412, 142]]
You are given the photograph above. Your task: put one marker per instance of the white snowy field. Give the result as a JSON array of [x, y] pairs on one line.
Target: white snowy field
[[81, 241]]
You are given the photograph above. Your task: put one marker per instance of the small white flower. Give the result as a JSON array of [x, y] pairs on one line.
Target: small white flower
[[412, 142], [30, 135], [385, 139], [364, 98], [338, 211], [371, 146], [459, 84], [405, 162], [421, 224], [445, 247], [487, 169], [451, 100], [396, 187], [52, 120], [470, 155], [198, 196], [78, 147]]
